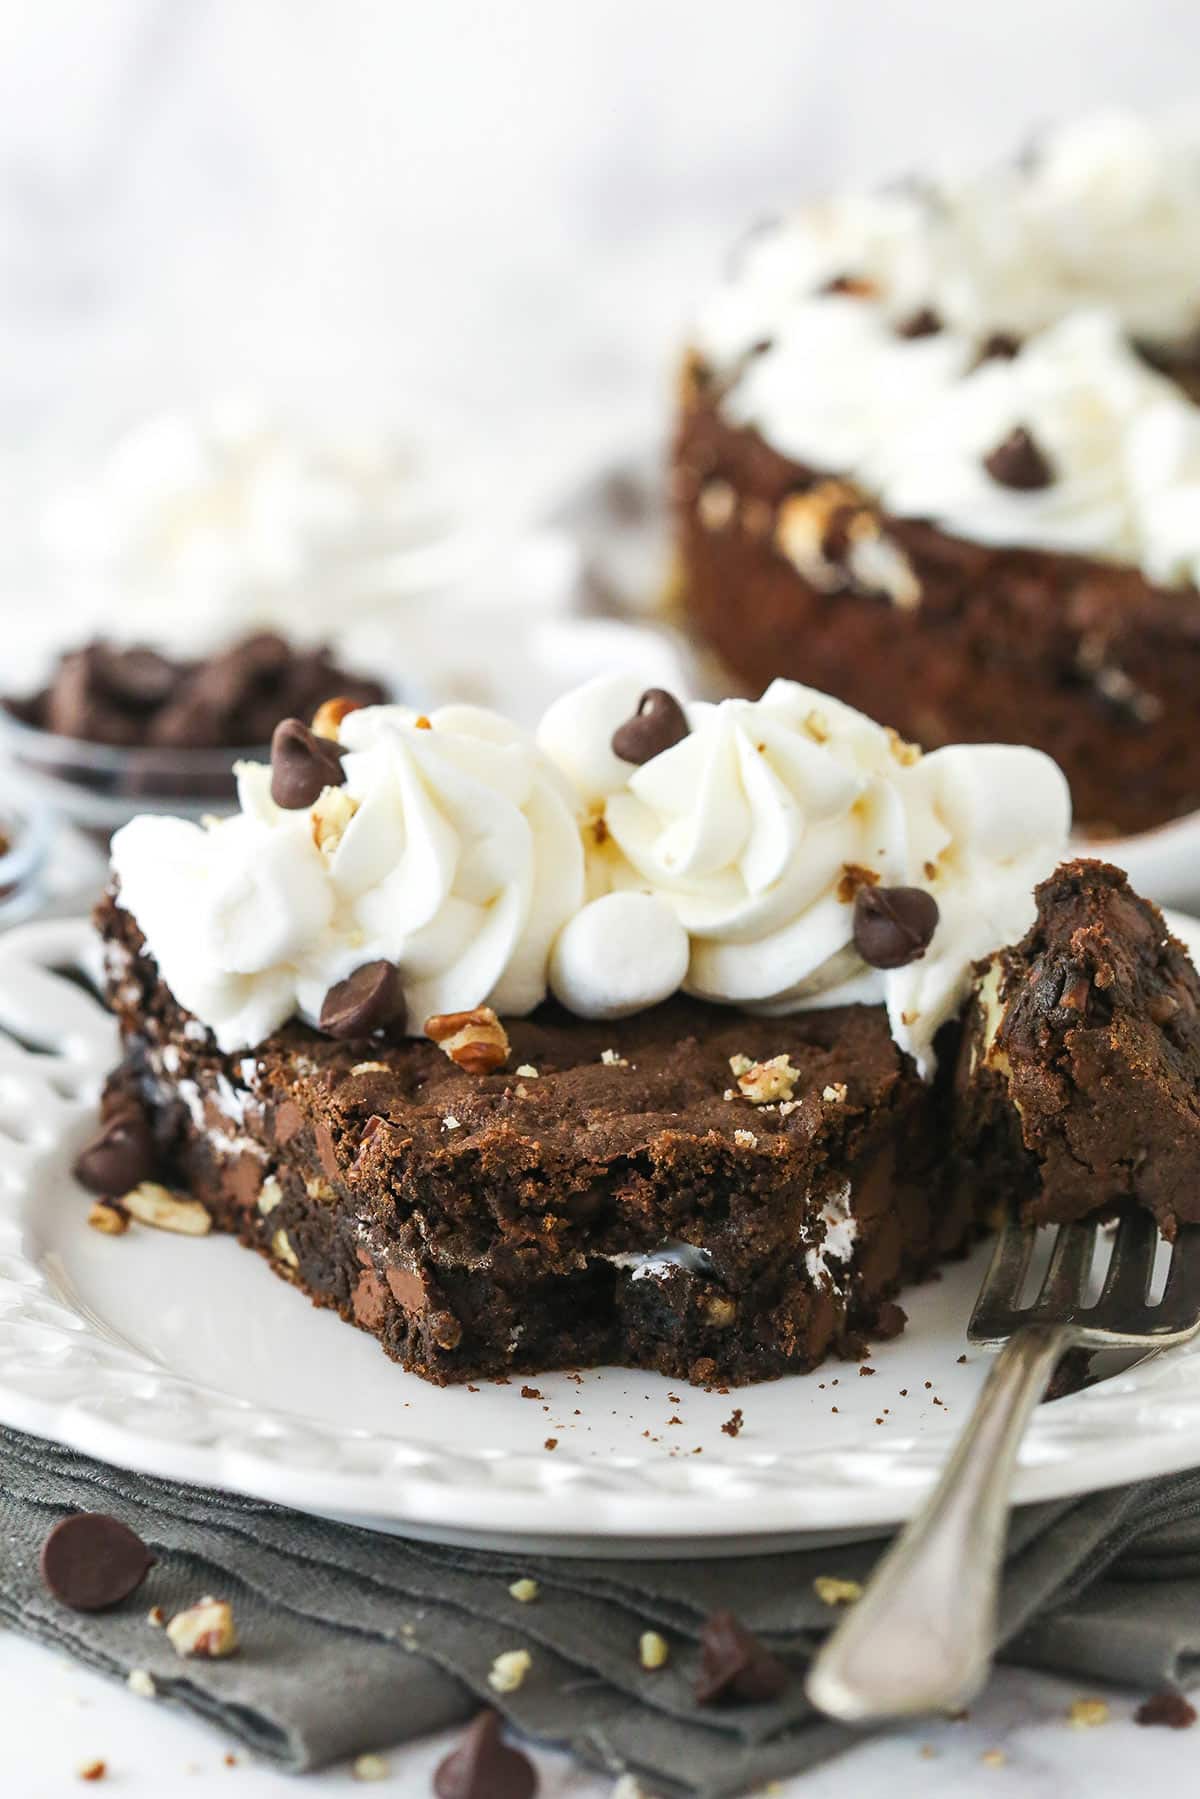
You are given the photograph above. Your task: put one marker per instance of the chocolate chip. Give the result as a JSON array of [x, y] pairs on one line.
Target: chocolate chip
[[140, 677], [657, 725], [484, 1766], [735, 1666], [1019, 463], [366, 1001], [91, 1561], [1171, 1709], [1000, 346], [118, 1156], [893, 925], [302, 765], [924, 323]]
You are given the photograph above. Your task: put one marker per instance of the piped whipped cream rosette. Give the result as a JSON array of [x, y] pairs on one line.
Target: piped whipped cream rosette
[[445, 848], [772, 855], [787, 836]]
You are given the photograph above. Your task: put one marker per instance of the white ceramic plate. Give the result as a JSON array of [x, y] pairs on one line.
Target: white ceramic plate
[[187, 1358]]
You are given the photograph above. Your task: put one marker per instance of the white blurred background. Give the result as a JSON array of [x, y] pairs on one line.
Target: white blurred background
[[485, 217]]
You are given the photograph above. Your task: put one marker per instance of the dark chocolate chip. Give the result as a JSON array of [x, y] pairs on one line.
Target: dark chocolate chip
[[118, 1156], [366, 1001], [1018, 462], [302, 765], [91, 1561], [924, 323], [893, 925], [1000, 346], [735, 1666], [139, 677], [657, 725], [484, 1766], [1168, 1708]]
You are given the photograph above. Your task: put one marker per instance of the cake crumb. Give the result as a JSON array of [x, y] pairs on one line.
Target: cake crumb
[[525, 1591], [653, 1650], [531, 1393], [993, 1758], [509, 1669], [1085, 1714], [865, 1368], [831, 1590], [141, 1682], [550, 1443], [93, 1770], [611, 1059], [745, 1139], [733, 1424], [788, 1106], [156, 1615], [835, 1093]]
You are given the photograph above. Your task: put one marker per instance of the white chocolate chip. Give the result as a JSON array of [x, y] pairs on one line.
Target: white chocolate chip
[[653, 1650], [140, 1682], [525, 1590], [281, 1247]]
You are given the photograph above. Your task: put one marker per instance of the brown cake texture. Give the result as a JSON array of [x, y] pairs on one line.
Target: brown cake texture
[[1078, 1085], [610, 1194], [787, 570]]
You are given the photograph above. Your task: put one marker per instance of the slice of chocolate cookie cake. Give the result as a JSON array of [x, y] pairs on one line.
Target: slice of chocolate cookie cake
[[1079, 1076], [618, 1046]]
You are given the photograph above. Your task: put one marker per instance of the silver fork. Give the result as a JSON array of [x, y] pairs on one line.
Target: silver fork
[[922, 1636]]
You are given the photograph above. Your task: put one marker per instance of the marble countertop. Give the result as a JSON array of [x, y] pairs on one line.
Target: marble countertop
[[1017, 1743]]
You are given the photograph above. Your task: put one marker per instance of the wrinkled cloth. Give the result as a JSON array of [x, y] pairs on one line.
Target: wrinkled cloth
[[352, 1640]]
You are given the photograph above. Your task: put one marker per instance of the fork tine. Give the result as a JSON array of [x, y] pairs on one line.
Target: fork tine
[[1065, 1285], [1181, 1294], [1128, 1279], [1007, 1269]]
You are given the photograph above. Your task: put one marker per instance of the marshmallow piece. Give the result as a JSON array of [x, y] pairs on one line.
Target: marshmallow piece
[[618, 955]]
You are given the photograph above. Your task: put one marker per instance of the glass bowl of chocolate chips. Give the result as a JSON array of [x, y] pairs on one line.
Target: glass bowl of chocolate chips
[[122, 729]]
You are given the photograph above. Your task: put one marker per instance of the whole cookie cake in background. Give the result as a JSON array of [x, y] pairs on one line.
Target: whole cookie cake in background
[[938, 453]]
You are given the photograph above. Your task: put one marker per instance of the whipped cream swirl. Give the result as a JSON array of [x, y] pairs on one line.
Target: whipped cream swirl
[[755, 830], [451, 851]]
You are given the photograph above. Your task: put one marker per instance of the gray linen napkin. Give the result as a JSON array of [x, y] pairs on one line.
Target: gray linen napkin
[[354, 1641]]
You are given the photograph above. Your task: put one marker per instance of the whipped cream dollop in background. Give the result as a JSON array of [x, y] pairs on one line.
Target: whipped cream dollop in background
[[1094, 243], [493, 869], [207, 524]]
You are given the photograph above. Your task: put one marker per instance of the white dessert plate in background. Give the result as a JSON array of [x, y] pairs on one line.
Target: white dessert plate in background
[[187, 1358]]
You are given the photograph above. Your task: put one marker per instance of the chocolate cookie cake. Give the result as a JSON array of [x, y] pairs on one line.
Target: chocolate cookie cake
[[1077, 1085], [637, 1043], [938, 452]]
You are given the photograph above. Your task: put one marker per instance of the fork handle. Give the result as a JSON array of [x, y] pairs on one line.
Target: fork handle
[[921, 1637]]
